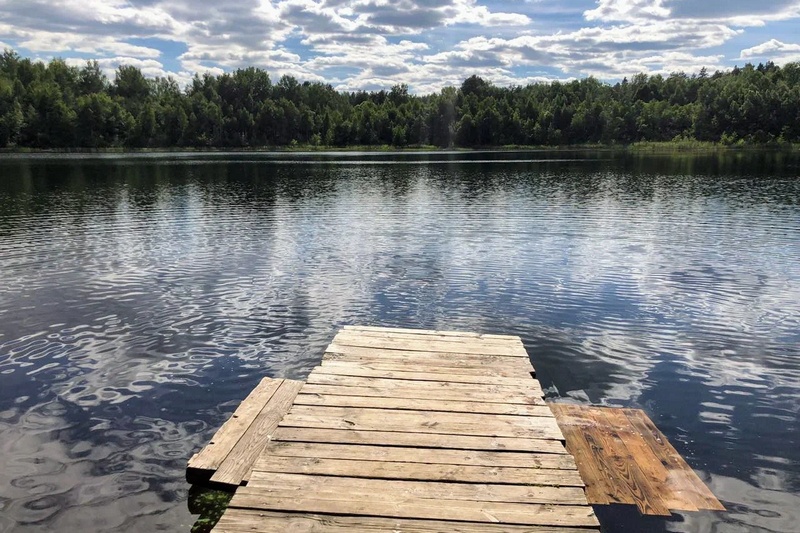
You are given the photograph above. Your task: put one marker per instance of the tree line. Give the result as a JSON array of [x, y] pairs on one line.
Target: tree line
[[55, 105]]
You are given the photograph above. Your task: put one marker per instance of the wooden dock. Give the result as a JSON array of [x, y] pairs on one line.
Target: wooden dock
[[401, 430], [415, 430]]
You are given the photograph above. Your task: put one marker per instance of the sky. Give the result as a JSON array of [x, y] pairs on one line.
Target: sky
[[426, 44]]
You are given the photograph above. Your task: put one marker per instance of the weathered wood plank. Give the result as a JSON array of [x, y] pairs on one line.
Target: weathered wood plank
[[491, 512], [300, 485], [223, 441], [432, 393], [422, 422], [357, 370], [345, 352], [239, 461], [521, 388], [416, 404], [418, 471], [476, 348], [431, 332], [403, 336], [250, 520], [426, 440], [420, 455], [382, 364]]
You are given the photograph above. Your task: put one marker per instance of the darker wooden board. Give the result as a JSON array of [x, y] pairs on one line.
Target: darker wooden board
[[624, 458], [679, 471]]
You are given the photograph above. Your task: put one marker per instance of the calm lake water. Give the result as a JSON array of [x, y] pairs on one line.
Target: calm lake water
[[142, 297]]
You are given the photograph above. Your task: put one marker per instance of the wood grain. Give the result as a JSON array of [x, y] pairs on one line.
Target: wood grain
[[237, 465], [624, 458], [223, 441], [409, 430], [421, 440], [249, 521]]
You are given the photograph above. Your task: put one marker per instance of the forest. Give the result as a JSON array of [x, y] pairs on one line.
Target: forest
[[57, 106]]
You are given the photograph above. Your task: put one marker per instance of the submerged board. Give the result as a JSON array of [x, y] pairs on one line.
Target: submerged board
[[623, 458]]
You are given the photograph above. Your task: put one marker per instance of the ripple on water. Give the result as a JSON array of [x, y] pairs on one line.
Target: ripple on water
[[143, 297]]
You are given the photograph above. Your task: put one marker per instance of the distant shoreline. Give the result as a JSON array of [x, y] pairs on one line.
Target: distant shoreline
[[639, 147]]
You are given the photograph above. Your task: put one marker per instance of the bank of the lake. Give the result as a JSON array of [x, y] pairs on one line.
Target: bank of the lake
[[692, 146]]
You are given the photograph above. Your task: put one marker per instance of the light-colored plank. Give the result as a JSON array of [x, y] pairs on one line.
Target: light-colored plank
[[422, 422], [382, 364], [238, 463], [357, 370], [417, 471], [416, 404], [420, 455], [223, 441], [476, 348], [345, 352], [431, 332], [428, 357], [491, 512], [301, 485], [427, 440], [460, 339], [477, 395], [238, 520], [522, 388]]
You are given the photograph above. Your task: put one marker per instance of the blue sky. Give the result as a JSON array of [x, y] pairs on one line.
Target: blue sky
[[427, 44]]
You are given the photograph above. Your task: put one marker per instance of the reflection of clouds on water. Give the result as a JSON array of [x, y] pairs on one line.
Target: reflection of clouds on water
[[127, 479], [755, 506], [141, 306]]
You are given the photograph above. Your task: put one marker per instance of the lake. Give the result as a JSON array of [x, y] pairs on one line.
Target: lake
[[143, 296]]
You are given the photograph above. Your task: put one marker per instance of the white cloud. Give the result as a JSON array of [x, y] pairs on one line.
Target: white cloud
[[376, 43], [151, 68], [627, 10], [773, 50]]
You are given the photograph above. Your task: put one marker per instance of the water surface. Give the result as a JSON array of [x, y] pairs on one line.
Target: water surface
[[142, 297]]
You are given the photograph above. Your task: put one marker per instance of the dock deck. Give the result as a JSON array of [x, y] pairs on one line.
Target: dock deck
[[408, 430]]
